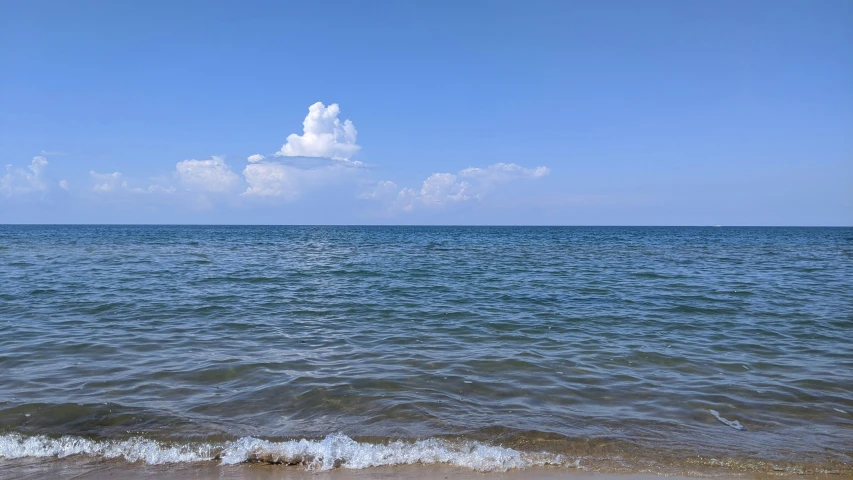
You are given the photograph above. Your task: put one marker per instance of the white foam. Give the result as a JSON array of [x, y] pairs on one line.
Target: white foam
[[732, 423], [133, 450], [340, 450], [333, 451]]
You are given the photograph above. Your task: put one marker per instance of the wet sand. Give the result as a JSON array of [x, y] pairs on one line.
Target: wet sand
[[79, 468]]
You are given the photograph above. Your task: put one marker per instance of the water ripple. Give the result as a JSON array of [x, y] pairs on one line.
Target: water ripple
[[629, 334]]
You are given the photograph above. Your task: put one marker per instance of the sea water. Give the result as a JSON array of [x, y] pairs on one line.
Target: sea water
[[492, 348]]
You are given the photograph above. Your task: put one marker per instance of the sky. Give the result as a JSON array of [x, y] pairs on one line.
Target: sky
[[442, 112]]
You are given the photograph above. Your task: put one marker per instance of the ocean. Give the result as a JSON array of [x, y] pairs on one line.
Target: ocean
[[675, 350]]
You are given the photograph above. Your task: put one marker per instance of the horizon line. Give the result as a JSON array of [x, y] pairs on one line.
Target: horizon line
[[407, 225]]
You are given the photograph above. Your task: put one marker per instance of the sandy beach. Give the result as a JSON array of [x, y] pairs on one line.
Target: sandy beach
[[81, 468]]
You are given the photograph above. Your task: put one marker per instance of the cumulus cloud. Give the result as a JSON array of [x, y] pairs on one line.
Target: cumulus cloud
[[255, 158], [472, 183], [438, 190], [213, 175], [382, 189], [405, 200], [115, 182], [290, 180], [19, 181], [323, 135], [63, 184], [105, 182], [271, 180], [442, 188]]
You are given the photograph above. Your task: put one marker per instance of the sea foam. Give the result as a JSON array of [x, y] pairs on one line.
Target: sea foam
[[333, 451], [732, 423], [136, 449]]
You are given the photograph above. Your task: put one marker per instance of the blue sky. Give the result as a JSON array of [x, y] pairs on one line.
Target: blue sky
[[476, 112]]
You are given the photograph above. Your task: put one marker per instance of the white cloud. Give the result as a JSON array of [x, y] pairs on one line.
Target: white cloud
[[288, 181], [504, 172], [405, 200], [20, 181], [38, 165], [323, 135], [160, 189], [271, 180], [438, 190], [114, 182], [442, 189], [63, 184], [105, 182], [53, 153], [380, 190], [212, 175], [151, 189], [125, 186]]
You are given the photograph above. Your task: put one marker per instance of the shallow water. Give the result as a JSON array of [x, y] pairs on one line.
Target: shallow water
[[609, 345]]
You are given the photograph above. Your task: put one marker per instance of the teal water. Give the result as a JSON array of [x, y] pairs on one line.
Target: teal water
[[573, 346]]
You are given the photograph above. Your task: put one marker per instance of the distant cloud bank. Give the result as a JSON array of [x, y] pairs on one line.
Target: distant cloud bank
[[320, 157]]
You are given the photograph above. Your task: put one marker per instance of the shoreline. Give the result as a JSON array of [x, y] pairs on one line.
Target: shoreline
[[101, 469], [339, 456], [80, 468]]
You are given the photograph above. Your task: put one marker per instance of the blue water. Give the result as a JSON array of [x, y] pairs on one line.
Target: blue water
[[645, 346]]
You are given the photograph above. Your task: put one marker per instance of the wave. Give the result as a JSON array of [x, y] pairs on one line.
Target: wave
[[332, 452], [341, 451]]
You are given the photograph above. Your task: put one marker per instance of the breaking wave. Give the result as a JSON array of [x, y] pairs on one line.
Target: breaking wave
[[332, 452]]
